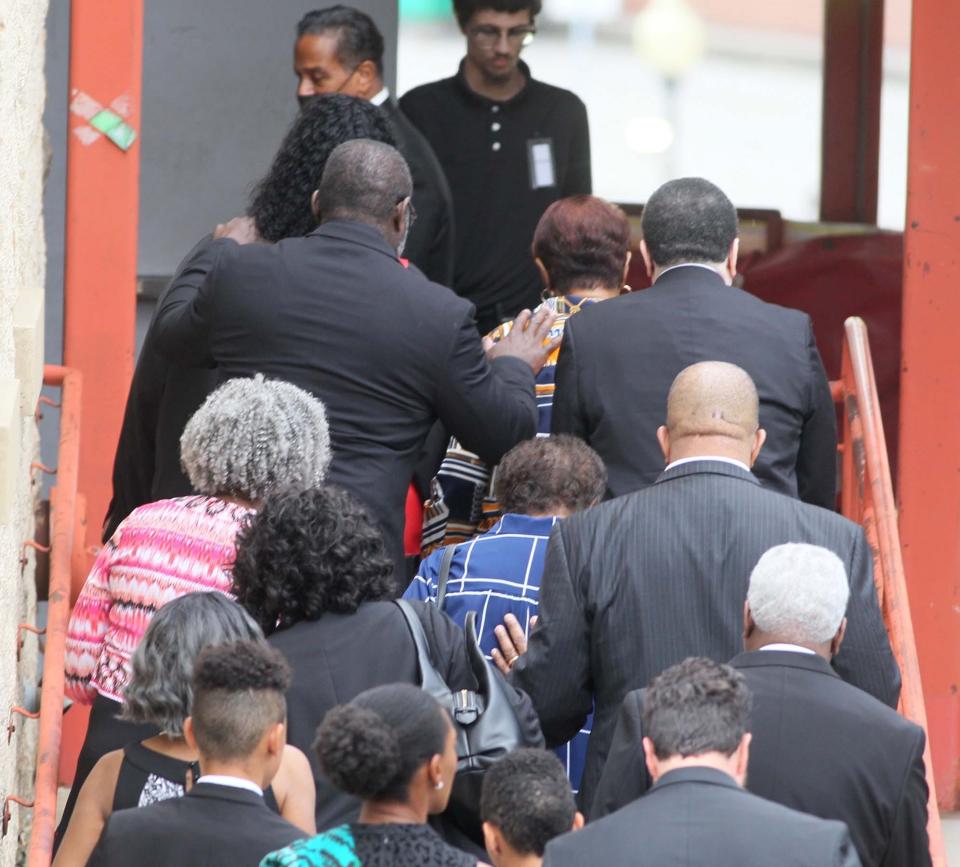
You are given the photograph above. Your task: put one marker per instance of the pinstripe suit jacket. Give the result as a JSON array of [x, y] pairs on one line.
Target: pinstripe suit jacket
[[643, 581]]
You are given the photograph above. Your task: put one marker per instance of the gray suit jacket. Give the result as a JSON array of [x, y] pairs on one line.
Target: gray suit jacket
[[643, 581], [699, 817]]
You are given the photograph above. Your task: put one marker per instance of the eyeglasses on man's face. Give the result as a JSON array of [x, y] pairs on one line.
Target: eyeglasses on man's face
[[487, 36]]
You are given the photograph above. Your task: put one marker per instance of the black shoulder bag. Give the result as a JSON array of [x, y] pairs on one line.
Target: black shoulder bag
[[487, 722]]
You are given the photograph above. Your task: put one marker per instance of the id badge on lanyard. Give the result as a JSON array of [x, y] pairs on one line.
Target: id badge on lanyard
[[543, 172]]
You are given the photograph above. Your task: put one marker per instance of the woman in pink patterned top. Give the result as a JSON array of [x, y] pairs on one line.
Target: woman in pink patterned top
[[250, 439]]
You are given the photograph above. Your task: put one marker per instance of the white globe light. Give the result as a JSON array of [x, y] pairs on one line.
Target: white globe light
[[670, 35]]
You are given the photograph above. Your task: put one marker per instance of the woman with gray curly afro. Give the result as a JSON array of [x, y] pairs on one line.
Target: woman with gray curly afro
[[160, 694], [256, 437], [250, 439]]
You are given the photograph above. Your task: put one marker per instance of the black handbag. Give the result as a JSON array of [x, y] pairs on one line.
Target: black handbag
[[487, 721]]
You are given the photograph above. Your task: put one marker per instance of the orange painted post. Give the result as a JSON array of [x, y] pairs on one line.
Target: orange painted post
[[103, 172], [929, 463], [63, 506]]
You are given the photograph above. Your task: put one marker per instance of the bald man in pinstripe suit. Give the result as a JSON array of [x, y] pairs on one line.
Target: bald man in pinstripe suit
[[643, 581]]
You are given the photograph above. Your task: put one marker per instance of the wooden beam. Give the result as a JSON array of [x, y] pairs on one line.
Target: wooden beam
[[852, 75]]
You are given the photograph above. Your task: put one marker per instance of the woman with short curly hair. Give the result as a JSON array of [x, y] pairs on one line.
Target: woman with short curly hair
[[251, 438], [312, 569]]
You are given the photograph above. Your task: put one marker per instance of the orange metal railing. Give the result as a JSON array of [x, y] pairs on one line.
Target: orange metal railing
[[866, 496], [63, 508]]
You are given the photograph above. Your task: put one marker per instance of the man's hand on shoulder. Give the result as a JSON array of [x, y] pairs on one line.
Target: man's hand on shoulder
[[243, 230], [528, 339]]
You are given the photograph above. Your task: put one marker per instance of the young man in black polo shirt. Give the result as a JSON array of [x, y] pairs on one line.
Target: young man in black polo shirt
[[509, 146]]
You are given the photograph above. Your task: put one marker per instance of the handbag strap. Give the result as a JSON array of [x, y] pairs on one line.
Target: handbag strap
[[430, 679], [444, 574]]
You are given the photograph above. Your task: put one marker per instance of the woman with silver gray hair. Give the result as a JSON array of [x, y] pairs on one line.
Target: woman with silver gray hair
[[160, 694], [251, 438]]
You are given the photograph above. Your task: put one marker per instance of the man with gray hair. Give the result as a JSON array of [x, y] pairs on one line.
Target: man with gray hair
[[338, 313], [819, 745]]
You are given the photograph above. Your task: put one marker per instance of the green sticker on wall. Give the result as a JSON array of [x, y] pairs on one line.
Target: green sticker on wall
[[114, 128]]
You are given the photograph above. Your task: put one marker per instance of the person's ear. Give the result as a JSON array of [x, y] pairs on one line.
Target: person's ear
[[435, 771], [578, 821], [837, 639], [315, 204], [544, 274], [748, 622], [759, 438], [492, 841], [276, 739], [650, 757], [732, 256], [626, 269], [188, 733], [367, 74], [400, 215], [663, 437], [743, 759], [648, 263]]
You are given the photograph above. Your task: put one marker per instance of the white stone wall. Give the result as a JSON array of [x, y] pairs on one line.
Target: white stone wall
[[22, 255]]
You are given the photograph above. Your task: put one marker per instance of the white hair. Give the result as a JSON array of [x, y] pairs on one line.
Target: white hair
[[799, 592], [253, 438]]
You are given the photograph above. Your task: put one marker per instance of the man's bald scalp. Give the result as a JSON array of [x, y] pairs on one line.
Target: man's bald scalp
[[713, 398], [364, 180]]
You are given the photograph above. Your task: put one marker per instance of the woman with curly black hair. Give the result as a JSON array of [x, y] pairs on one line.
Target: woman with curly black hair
[[394, 747], [163, 396], [312, 570]]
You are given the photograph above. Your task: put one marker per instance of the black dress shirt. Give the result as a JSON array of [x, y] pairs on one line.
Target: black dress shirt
[[485, 150], [430, 244]]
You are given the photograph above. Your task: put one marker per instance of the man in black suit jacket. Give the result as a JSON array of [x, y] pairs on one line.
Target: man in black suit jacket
[[238, 727], [698, 814], [640, 582], [618, 359], [340, 50], [338, 314], [819, 745]]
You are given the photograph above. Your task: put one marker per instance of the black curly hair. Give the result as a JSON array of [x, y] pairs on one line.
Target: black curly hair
[[373, 746], [527, 796], [280, 203], [306, 553], [546, 474]]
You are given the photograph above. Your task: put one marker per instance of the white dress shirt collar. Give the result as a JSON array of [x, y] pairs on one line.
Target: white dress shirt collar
[[792, 648], [233, 782], [689, 265], [681, 461], [381, 97]]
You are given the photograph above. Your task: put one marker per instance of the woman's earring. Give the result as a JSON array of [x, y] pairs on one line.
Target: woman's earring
[[439, 784]]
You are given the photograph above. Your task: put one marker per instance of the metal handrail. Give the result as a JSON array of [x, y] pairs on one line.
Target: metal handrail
[[64, 517], [866, 496]]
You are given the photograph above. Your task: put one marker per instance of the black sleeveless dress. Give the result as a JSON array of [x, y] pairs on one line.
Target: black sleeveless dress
[[147, 777]]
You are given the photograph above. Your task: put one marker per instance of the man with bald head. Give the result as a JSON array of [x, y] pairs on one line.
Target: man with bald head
[[339, 314], [618, 359], [643, 581]]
